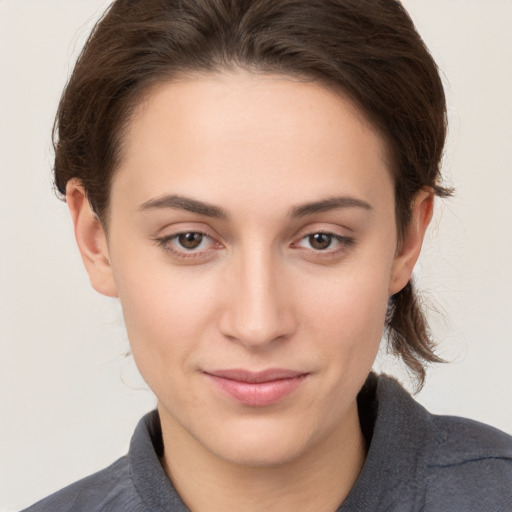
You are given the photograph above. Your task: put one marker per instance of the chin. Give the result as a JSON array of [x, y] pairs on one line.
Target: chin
[[260, 454], [260, 445]]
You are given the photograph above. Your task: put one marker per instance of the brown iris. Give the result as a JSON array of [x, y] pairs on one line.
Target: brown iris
[[320, 241], [190, 240]]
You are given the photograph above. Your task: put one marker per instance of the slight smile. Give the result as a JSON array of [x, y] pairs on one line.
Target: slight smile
[[257, 389]]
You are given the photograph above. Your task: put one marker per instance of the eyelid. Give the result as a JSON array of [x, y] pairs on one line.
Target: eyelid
[[165, 242], [328, 228], [340, 238], [170, 233], [344, 241]]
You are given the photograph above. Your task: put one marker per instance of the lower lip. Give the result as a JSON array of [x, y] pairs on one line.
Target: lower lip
[[257, 394]]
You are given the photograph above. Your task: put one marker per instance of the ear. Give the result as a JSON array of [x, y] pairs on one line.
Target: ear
[[91, 239], [410, 248]]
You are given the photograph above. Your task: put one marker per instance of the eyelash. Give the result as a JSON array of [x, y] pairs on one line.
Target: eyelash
[[164, 243], [344, 242]]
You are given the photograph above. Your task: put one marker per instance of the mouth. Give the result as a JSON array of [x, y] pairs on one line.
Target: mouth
[[257, 389]]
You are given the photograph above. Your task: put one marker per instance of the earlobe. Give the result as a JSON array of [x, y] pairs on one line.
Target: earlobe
[[408, 253], [91, 239]]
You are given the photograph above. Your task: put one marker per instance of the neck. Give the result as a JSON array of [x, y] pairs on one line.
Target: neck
[[318, 480]]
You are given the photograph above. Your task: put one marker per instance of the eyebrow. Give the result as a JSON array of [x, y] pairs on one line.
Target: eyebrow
[[331, 203], [178, 202]]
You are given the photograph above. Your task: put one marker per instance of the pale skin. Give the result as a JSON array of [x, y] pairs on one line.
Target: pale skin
[[291, 255]]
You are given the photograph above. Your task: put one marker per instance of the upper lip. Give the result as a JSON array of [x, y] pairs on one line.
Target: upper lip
[[268, 375]]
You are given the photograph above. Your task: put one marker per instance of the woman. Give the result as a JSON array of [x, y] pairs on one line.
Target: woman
[[253, 180]]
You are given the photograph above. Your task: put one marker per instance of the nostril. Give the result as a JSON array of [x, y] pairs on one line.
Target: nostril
[[257, 327]]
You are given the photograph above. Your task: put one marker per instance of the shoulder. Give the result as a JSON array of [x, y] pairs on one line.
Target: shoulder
[[449, 440], [108, 489], [460, 440], [451, 463], [134, 483], [468, 464]]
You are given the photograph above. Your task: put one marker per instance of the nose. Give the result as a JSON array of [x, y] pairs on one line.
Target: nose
[[258, 307]]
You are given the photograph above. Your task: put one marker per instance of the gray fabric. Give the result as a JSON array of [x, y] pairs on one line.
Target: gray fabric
[[416, 462]]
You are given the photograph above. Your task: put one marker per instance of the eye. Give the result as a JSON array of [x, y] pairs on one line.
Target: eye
[[187, 244], [190, 241], [321, 241]]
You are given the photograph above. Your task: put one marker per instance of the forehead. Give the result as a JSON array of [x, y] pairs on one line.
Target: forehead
[[244, 135]]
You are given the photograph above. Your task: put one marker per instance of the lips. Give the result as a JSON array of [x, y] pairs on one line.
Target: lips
[[257, 389]]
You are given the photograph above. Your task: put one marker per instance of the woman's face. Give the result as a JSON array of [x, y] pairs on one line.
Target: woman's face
[[252, 243]]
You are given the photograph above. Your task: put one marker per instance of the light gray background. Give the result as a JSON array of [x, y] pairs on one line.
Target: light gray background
[[70, 398]]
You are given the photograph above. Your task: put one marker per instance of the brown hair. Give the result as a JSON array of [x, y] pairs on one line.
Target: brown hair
[[369, 49]]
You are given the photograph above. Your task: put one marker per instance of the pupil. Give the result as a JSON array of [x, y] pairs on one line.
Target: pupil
[[190, 240], [320, 241]]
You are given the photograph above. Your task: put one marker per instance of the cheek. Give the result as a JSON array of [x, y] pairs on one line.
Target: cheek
[[345, 323], [355, 300], [166, 314], [347, 315]]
